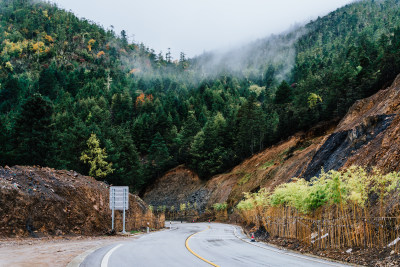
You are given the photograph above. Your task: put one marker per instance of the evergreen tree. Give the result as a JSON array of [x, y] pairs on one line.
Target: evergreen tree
[[9, 93], [209, 151], [48, 82], [33, 132], [189, 129], [283, 94], [158, 157], [125, 160], [124, 38], [121, 108], [269, 77], [251, 128]]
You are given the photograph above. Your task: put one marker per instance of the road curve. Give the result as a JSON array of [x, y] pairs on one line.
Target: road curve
[[197, 244]]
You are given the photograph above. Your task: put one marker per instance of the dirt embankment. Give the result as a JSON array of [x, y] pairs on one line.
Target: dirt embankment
[[369, 135], [36, 201]]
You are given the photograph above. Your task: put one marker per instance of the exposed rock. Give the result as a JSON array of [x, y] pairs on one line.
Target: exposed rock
[[179, 185], [340, 145]]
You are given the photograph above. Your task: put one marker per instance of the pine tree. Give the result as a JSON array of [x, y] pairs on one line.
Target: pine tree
[[159, 157], [189, 130], [168, 56], [48, 82], [124, 38], [209, 152], [251, 128], [269, 77], [121, 108], [33, 132], [125, 158], [284, 93]]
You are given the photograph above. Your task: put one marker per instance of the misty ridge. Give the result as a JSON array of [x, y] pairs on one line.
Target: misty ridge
[[250, 60], [253, 59]]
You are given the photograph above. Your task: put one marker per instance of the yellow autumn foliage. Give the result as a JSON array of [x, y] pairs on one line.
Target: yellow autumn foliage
[[91, 42], [49, 38], [9, 66], [38, 47], [14, 49], [101, 53]]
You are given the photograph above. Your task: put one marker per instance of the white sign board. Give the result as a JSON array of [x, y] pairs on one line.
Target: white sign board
[[119, 197]]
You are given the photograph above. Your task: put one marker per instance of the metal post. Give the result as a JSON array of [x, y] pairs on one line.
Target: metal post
[[319, 235], [112, 220], [123, 224]]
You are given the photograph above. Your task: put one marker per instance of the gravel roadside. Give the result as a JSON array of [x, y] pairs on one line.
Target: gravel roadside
[[50, 251]]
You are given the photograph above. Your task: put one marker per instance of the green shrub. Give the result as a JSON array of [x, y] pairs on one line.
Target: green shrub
[[220, 206]]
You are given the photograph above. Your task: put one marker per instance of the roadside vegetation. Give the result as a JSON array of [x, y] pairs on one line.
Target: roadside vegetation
[[349, 208]]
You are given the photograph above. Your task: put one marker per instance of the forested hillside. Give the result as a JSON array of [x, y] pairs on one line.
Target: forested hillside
[[63, 79]]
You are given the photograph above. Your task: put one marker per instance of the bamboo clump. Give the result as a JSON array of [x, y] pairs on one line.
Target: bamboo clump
[[334, 211]]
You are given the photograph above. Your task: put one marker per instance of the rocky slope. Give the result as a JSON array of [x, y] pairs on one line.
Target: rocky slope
[[369, 135], [39, 201]]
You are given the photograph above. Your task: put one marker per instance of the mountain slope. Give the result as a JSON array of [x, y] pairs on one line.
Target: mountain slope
[[367, 136], [152, 113]]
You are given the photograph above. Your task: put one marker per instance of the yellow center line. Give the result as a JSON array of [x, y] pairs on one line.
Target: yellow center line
[[194, 253]]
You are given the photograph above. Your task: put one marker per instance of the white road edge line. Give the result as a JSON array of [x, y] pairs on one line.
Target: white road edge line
[[104, 262], [293, 254], [76, 262]]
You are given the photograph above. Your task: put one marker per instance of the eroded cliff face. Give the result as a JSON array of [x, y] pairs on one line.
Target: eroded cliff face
[[369, 136], [343, 144]]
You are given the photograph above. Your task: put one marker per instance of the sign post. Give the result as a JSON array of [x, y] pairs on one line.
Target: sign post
[[119, 200]]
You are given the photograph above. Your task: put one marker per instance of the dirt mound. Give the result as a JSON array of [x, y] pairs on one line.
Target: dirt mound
[[36, 201]]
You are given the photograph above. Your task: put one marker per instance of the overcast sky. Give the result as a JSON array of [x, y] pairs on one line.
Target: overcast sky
[[195, 26]]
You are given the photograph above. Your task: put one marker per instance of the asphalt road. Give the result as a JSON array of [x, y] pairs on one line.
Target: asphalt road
[[214, 244]]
